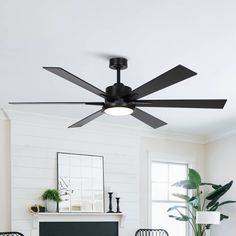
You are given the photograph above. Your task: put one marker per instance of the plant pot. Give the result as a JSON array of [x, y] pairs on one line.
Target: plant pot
[[51, 206]]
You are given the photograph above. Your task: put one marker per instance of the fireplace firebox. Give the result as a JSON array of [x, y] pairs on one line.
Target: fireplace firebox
[[78, 228]]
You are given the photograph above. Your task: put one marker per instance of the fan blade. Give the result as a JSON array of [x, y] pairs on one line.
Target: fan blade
[[191, 103], [147, 118], [74, 79], [57, 103], [87, 119], [169, 78]]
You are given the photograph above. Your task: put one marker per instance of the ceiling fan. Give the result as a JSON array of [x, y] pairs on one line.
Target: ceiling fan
[[120, 99]]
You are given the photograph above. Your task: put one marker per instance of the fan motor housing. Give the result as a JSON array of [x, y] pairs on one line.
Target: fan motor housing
[[118, 103], [118, 90]]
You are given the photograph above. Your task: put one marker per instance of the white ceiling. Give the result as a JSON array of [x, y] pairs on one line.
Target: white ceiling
[[155, 35]]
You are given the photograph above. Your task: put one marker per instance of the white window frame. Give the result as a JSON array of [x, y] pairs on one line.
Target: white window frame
[[154, 157]]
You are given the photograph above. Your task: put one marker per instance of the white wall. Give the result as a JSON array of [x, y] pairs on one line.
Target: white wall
[[5, 174], [221, 168]]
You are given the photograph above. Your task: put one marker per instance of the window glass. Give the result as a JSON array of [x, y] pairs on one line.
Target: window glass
[[163, 176], [177, 172], [160, 191], [159, 172]]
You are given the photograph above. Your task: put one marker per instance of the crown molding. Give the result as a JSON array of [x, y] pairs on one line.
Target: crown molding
[[3, 115], [55, 121], [183, 137], [219, 136]]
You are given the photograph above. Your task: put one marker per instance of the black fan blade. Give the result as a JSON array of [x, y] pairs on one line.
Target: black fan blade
[[147, 118], [87, 119], [169, 78], [191, 103], [57, 103], [74, 79]]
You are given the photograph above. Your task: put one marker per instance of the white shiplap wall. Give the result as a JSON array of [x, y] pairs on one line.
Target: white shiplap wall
[[35, 139]]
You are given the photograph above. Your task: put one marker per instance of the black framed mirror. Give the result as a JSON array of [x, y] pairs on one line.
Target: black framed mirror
[[80, 181]]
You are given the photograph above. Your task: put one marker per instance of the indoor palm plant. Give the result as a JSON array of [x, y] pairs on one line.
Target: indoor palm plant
[[51, 198], [196, 201]]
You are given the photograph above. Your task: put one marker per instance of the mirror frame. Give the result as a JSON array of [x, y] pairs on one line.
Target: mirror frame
[[103, 185]]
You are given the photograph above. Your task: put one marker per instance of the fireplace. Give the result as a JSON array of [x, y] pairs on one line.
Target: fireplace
[[77, 224], [78, 228]]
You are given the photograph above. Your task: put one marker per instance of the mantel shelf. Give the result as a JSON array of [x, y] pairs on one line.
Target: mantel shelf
[[78, 214], [77, 217]]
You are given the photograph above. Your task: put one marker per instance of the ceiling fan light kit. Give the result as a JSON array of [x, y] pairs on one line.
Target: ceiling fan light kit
[[120, 100], [119, 111]]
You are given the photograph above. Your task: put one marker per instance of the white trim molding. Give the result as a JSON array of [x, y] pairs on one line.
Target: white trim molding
[[3, 115]]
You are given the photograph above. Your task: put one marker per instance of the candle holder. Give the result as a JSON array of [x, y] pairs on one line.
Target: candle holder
[[118, 205], [110, 202]]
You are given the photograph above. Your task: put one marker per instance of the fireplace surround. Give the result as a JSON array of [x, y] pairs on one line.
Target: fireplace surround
[[84, 224]]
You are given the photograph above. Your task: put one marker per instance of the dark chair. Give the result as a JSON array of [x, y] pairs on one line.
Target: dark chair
[[151, 232], [11, 234]]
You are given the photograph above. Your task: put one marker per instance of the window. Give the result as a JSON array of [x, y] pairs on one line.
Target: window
[[163, 175]]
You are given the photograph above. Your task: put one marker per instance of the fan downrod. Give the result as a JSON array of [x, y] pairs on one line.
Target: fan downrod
[[118, 63]]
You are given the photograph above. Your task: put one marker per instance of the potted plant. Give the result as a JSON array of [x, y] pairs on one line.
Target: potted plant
[[51, 198], [196, 201]]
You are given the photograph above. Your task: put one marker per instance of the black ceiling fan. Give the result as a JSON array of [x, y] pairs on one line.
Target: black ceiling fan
[[120, 99]]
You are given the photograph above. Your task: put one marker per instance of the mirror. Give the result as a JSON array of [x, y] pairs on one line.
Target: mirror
[[80, 182]]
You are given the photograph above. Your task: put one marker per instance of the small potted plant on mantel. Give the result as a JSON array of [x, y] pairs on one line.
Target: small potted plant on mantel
[[51, 198]]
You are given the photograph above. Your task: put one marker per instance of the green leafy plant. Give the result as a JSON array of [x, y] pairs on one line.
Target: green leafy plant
[[51, 194], [196, 200]]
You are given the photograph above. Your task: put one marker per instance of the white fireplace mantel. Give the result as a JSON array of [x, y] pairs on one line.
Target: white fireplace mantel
[[75, 217]]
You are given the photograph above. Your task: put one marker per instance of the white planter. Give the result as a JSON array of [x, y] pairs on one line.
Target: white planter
[[51, 206]]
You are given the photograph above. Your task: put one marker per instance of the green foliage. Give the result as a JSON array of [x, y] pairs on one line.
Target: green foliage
[[51, 194], [196, 201], [194, 177], [187, 184], [222, 217], [193, 181], [214, 186], [182, 196], [181, 217], [214, 196]]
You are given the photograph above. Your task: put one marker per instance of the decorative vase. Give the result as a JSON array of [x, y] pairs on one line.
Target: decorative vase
[[51, 206]]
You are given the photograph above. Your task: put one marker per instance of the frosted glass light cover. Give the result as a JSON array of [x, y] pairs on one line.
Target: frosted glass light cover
[[119, 111], [208, 217]]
